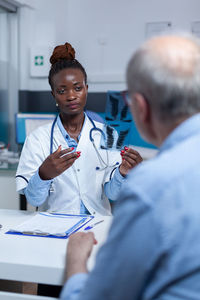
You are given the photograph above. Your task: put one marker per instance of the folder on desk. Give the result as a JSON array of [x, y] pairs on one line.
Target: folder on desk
[[54, 225]]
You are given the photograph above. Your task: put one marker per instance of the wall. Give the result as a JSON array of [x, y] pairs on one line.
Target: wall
[[3, 77], [104, 33]]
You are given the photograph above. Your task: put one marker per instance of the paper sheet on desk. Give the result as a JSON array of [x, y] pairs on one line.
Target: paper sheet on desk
[[51, 224]]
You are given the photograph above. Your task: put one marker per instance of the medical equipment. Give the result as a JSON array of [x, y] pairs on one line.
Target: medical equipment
[[107, 141], [7, 157]]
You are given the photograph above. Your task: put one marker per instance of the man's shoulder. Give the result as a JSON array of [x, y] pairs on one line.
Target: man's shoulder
[[168, 164], [149, 171], [151, 178], [164, 176]]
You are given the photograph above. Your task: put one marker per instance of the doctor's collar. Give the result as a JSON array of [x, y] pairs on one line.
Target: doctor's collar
[[64, 131]]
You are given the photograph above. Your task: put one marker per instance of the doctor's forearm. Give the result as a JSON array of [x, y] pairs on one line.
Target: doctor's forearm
[[37, 190], [113, 187], [33, 199]]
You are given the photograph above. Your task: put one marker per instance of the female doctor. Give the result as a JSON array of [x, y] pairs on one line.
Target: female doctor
[[62, 167]]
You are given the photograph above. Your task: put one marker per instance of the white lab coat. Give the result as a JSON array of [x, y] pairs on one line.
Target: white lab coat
[[81, 182]]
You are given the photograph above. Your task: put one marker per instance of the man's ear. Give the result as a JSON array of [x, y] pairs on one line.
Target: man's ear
[[142, 108]]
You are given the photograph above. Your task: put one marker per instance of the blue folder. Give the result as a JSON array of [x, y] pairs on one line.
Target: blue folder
[[82, 220]]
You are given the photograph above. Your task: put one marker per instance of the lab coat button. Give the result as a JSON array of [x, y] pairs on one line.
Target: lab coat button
[[78, 170]]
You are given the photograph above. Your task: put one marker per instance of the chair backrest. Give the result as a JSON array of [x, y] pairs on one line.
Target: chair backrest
[[94, 116], [16, 296]]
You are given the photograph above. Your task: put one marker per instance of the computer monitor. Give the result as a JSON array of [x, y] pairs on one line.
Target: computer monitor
[[27, 122]]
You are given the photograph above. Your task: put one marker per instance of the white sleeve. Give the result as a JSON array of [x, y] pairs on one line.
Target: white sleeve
[[31, 158]]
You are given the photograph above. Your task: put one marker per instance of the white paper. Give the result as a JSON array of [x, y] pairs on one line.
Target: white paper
[[51, 224]]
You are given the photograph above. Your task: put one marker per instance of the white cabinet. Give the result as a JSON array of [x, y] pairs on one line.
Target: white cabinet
[[9, 198]]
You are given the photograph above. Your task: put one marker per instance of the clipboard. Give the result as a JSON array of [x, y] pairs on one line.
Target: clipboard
[[42, 223]]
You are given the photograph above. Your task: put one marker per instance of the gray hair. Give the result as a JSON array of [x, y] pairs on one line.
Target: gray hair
[[172, 90]]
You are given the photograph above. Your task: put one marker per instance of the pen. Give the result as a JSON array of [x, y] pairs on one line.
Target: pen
[[92, 225]]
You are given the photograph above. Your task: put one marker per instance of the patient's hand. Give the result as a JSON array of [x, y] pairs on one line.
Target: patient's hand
[[79, 248]]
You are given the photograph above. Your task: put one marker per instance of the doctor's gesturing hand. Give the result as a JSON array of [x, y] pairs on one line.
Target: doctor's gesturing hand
[[130, 159], [57, 162]]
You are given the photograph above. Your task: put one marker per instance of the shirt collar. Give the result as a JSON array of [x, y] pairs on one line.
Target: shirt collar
[[64, 131], [188, 128]]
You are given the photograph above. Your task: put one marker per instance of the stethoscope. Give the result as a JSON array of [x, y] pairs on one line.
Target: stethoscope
[[92, 130]]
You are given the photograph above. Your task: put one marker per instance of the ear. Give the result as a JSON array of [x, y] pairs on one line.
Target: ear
[[142, 108]]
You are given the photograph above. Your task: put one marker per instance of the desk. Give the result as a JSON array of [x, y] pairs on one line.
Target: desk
[[37, 259]]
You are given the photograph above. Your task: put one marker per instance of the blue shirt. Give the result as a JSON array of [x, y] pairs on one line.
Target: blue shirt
[[153, 248], [42, 187]]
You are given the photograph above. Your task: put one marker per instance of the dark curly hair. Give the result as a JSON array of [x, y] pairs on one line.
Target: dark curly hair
[[63, 57]]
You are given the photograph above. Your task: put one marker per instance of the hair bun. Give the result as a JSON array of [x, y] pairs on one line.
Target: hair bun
[[60, 52]]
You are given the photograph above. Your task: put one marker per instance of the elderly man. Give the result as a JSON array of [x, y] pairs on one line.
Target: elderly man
[[153, 248]]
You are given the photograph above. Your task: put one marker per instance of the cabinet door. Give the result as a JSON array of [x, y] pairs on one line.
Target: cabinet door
[[9, 198]]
